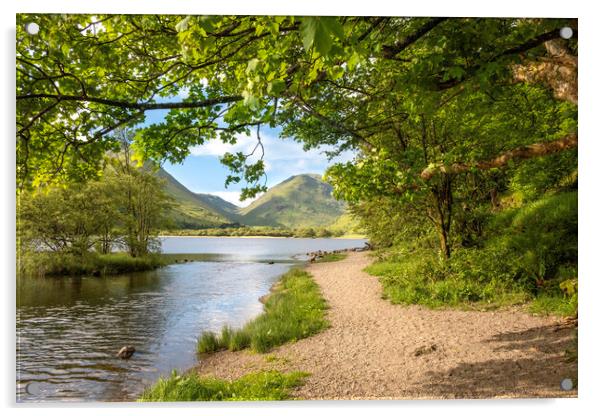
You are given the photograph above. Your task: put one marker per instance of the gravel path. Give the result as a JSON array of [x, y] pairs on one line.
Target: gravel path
[[377, 350]]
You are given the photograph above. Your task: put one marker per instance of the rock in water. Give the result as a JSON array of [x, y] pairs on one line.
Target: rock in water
[[126, 352]]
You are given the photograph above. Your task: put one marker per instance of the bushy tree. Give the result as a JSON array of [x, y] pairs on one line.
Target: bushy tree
[[122, 208], [69, 219]]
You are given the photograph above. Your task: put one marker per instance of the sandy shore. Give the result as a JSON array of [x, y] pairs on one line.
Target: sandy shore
[[376, 350]]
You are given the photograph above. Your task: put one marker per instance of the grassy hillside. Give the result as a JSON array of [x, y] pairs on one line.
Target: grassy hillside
[[346, 224], [219, 205], [192, 210], [299, 201]]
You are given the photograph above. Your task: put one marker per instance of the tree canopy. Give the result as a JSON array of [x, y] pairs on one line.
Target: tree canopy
[[350, 82]]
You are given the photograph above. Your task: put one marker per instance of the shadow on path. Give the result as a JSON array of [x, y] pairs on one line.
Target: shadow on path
[[540, 367]]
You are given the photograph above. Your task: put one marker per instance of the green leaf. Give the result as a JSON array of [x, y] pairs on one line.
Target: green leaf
[[252, 65], [319, 33], [182, 25], [308, 31], [333, 26], [276, 86]]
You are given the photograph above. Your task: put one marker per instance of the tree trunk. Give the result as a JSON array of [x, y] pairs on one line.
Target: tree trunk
[[444, 243], [442, 194], [495, 201]]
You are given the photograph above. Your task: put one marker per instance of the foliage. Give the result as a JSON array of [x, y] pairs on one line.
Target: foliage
[[474, 126], [530, 180], [388, 221], [144, 203], [346, 224], [268, 385], [335, 81], [70, 220], [295, 309], [125, 207], [527, 254], [420, 277]]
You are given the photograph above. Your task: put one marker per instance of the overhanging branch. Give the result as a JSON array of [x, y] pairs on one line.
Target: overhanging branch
[[515, 50], [389, 51], [525, 152], [134, 105]]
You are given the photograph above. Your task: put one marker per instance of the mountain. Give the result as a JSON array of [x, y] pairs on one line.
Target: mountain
[[192, 210], [300, 201]]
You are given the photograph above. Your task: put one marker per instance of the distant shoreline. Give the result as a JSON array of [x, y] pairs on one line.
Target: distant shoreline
[[350, 237]]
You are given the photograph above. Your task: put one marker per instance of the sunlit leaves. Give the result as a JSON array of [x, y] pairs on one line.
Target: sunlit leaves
[[320, 33], [323, 78], [241, 168]]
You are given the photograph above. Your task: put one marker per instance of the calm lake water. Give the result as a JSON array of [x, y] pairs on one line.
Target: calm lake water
[[69, 329]]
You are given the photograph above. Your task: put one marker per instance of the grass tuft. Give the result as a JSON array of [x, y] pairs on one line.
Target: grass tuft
[[330, 257], [294, 310], [268, 385], [208, 341]]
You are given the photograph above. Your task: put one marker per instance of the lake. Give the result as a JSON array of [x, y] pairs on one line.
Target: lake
[[69, 329]]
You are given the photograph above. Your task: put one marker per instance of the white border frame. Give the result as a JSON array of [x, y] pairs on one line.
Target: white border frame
[[589, 200]]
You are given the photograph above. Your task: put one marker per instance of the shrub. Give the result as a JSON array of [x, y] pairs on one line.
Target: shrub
[[529, 253], [67, 264], [540, 175], [428, 281]]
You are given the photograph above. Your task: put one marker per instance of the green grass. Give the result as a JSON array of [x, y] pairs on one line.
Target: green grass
[[269, 385], [409, 283], [528, 255], [295, 309], [330, 257], [62, 264], [554, 304]]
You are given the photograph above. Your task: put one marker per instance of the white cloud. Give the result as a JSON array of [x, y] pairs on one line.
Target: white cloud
[[280, 154], [234, 197], [217, 147]]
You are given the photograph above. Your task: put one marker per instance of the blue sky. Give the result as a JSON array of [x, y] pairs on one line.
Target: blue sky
[[202, 171]]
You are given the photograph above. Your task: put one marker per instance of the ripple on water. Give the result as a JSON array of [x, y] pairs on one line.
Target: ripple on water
[[70, 329]]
